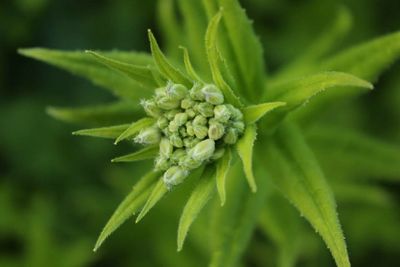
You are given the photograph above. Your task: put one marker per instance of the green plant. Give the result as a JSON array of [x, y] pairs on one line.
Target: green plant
[[225, 82]]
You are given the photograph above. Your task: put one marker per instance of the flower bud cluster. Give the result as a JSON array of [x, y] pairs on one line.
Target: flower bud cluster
[[193, 126]]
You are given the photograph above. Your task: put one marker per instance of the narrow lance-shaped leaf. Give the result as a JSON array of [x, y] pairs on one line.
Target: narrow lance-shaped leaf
[[116, 112], [164, 66], [223, 165], [158, 191], [145, 153], [132, 202], [255, 112], [298, 176], [188, 65], [213, 57], [134, 128], [141, 75], [245, 150], [82, 64], [103, 132], [248, 63], [198, 199]]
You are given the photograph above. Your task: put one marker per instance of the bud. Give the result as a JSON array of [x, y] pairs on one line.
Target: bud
[[190, 142], [160, 92], [173, 127], [176, 91], [218, 153], [205, 109], [180, 119], [167, 103], [236, 114], [239, 126], [170, 115], [222, 113], [189, 163], [200, 131], [191, 113], [203, 150], [187, 103], [196, 93], [162, 122], [199, 120], [189, 128], [165, 147], [231, 136], [216, 131], [177, 155], [175, 140], [175, 175], [212, 94], [150, 135], [162, 163], [150, 107]]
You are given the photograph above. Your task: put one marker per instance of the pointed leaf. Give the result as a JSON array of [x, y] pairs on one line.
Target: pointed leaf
[[141, 75], [297, 174], [213, 57], [247, 63], [245, 150], [223, 165], [164, 66], [198, 199], [255, 112], [82, 64], [117, 112], [158, 191], [134, 128], [145, 153], [103, 132], [188, 65], [132, 202]]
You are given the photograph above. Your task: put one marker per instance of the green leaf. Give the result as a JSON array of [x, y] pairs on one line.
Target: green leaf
[[145, 153], [132, 202], [188, 65], [134, 128], [297, 174], [248, 62], [245, 150], [116, 112], [255, 112], [164, 66], [369, 59], [223, 165], [103, 132], [213, 57], [141, 75], [80, 63], [355, 153], [197, 200], [159, 190]]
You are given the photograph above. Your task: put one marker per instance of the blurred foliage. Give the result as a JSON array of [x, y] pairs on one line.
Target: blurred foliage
[[57, 191]]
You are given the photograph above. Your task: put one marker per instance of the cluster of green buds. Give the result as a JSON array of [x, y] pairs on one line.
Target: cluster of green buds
[[193, 127]]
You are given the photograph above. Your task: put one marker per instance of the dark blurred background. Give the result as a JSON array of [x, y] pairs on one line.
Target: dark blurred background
[[57, 191]]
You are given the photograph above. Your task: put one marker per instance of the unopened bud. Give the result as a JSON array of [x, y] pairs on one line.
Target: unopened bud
[[205, 109], [200, 131], [203, 150], [175, 175], [189, 128], [167, 103], [191, 113], [231, 136], [222, 113], [170, 115], [165, 147], [216, 131], [162, 122], [196, 93], [150, 135], [177, 155], [162, 163], [176, 91], [150, 107], [189, 163], [199, 120], [212, 94], [176, 141], [239, 126], [187, 103], [190, 142], [173, 127], [236, 114], [218, 153], [160, 92], [181, 118]]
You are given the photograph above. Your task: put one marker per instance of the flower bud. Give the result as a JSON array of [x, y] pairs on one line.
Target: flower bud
[[170, 115], [218, 153], [200, 131], [203, 150], [222, 113], [162, 122], [190, 142], [180, 119], [231, 136], [173, 127], [187, 103], [150, 107], [199, 120], [175, 140], [239, 126], [167, 103], [216, 131], [196, 93], [205, 109], [212, 94], [189, 163], [149, 135], [189, 128], [236, 114], [191, 113], [161, 163], [175, 175], [176, 91], [160, 92], [165, 147], [177, 155]]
